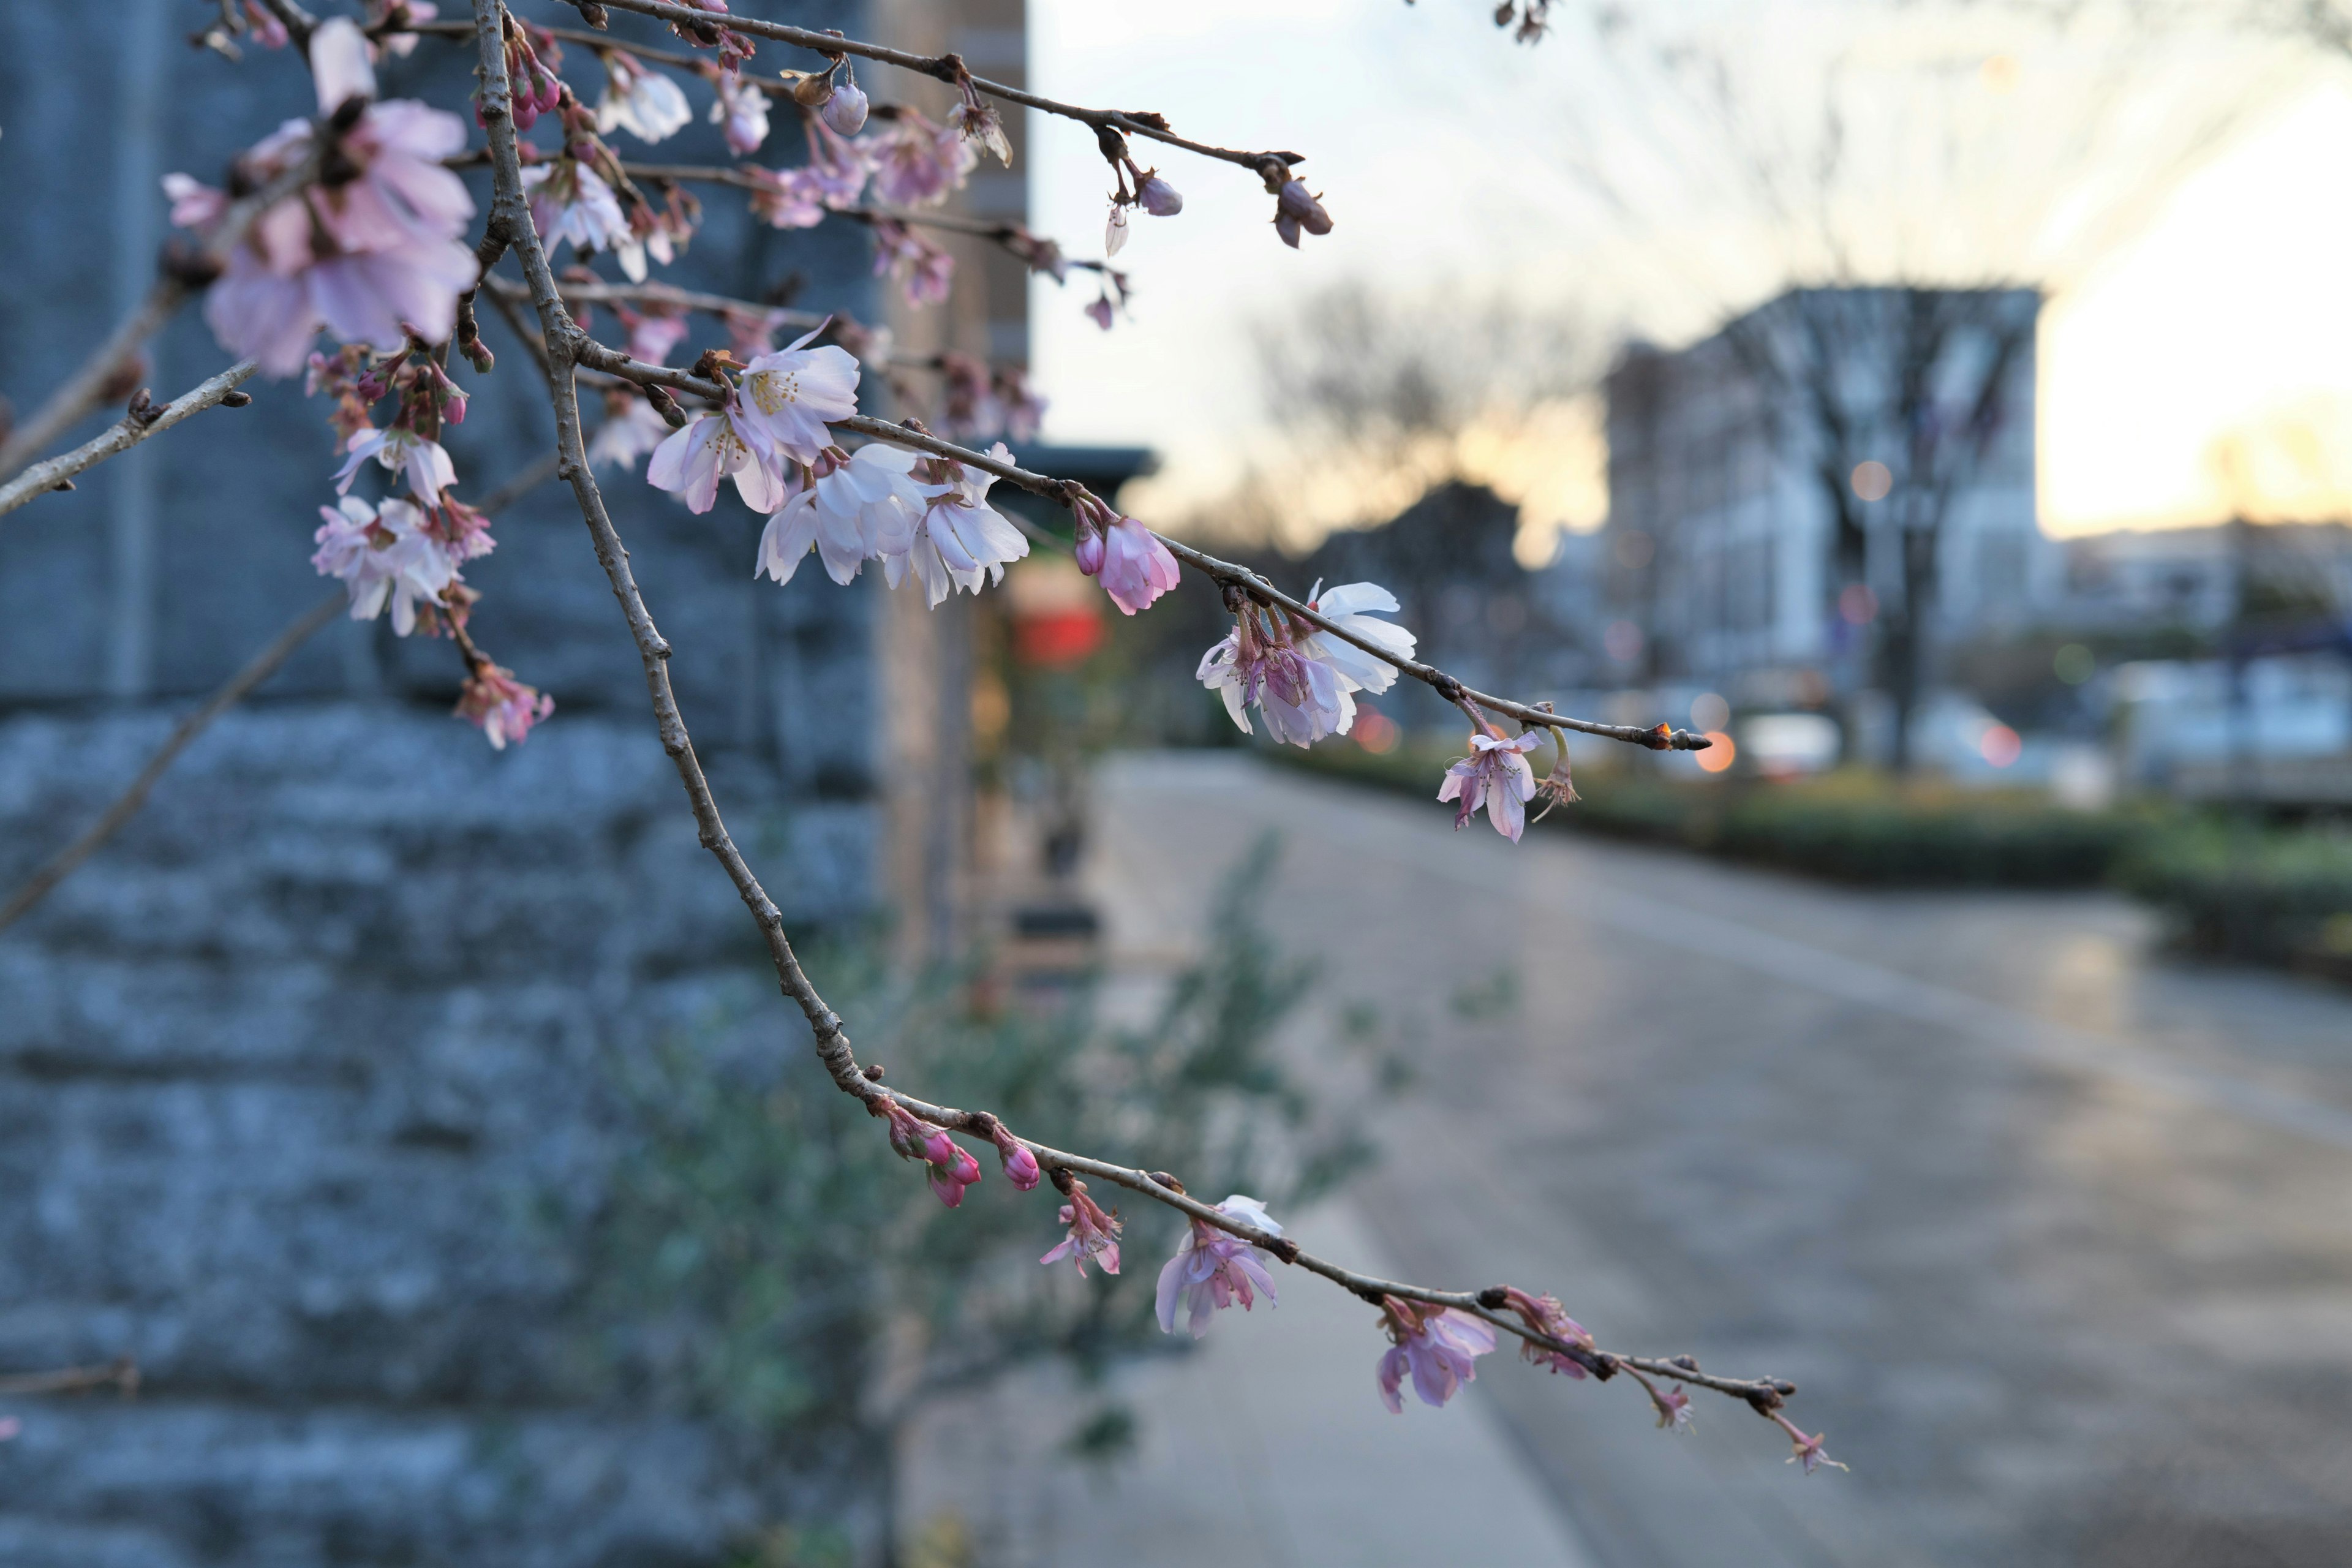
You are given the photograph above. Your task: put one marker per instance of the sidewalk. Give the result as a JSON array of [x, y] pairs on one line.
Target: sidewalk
[[1268, 1447]]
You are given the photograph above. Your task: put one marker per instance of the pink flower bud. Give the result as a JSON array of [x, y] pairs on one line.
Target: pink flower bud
[[1302, 208], [939, 1149], [1159, 198], [1020, 1165], [1100, 311], [1090, 549], [845, 111]]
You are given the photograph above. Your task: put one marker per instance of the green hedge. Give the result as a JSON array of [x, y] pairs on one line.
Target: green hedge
[[2275, 895], [1851, 827]]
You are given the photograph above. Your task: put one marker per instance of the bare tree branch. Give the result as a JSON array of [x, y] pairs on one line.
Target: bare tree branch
[[260, 668], [143, 421], [949, 68]]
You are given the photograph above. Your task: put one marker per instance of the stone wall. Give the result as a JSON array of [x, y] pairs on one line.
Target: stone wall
[[304, 1079], [303, 1093]]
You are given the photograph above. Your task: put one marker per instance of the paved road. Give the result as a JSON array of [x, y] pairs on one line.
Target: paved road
[[2053, 1233]]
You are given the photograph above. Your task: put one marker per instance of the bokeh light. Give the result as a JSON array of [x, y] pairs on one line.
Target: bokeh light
[[2075, 664], [1709, 713], [1719, 754], [2000, 746], [1872, 481]]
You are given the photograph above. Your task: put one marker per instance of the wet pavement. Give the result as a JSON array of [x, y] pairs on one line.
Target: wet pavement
[[2053, 1230]]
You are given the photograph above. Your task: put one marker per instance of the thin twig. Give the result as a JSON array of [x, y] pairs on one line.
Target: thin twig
[[88, 387], [57, 473], [567, 346], [260, 668], [949, 69], [122, 1373]]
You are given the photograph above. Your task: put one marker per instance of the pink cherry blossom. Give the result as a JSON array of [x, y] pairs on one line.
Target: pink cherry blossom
[[194, 205], [1158, 197], [980, 123], [639, 99], [1092, 1233], [1295, 210], [915, 163], [1437, 1345], [384, 556], [571, 203], [267, 30], [845, 111], [1807, 1450], [1132, 563], [743, 110], [502, 706], [1495, 774], [340, 67], [1100, 312], [789, 397], [961, 540], [630, 430], [371, 257], [788, 198], [1545, 1315], [1350, 606], [952, 1168], [1214, 1268], [926, 272], [854, 509], [653, 331], [690, 462], [1672, 1404], [1277, 666], [423, 463], [1020, 1165]]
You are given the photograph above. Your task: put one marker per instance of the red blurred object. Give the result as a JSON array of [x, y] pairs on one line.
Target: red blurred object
[[1057, 637]]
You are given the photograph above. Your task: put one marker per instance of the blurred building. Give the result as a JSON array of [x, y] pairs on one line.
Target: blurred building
[[2192, 578], [303, 1080], [1752, 538]]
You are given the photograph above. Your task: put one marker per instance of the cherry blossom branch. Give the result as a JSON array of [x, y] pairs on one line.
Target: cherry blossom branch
[[949, 68], [1659, 737], [587, 351], [183, 276], [567, 347], [99, 375], [234, 691], [122, 1373], [144, 420], [996, 230], [504, 291]]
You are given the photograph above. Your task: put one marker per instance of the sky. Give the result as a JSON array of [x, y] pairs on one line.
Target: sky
[[2193, 225]]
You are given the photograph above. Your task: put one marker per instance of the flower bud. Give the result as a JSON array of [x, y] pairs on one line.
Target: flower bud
[[939, 1149], [1019, 1164], [813, 92], [1303, 209], [1159, 198], [845, 110], [1090, 549], [1115, 234]]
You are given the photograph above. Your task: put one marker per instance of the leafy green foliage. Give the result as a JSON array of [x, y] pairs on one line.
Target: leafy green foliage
[[2275, 895]]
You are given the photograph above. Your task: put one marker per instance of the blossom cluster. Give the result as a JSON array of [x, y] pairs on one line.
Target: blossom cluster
[[367, 247]]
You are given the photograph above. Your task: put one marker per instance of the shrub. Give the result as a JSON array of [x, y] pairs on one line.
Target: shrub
[[2275, 895], [1852, 827]]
